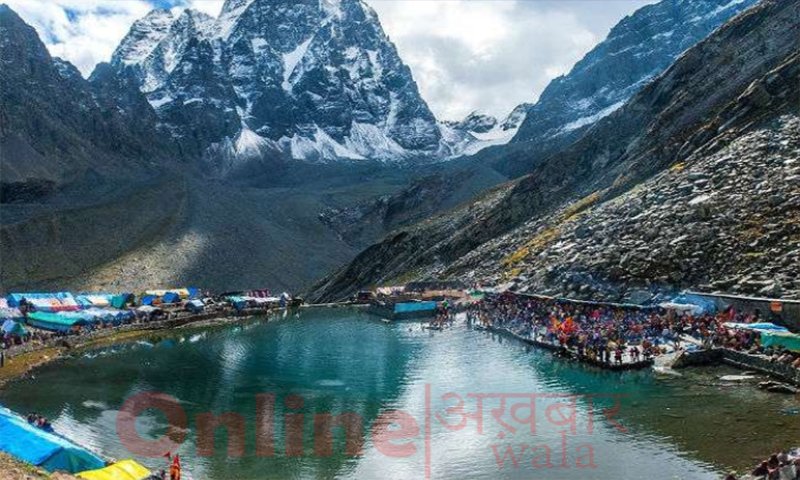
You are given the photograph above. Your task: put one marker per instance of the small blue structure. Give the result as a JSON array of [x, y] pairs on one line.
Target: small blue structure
[[414, 307], [171, 297]]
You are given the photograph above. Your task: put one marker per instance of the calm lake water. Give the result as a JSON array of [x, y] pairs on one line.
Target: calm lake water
[[344, 362]]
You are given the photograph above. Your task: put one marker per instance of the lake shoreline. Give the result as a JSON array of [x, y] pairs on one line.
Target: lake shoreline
[[22, 364]]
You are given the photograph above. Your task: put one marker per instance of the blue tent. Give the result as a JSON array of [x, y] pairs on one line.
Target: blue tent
[[119, 301], [10, 327], [46, 450], [171, 297], [148, 299]]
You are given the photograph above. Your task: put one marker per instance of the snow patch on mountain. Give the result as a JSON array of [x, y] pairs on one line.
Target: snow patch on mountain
[[319, 147], [231, 10], [332, 7], [588, 120], [249, 143], [290, 61], [369, 141]]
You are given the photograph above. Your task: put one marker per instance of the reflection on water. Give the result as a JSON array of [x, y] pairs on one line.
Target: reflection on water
[[340, 361]]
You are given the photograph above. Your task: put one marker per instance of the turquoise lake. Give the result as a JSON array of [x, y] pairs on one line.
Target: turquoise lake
[[338, 361]]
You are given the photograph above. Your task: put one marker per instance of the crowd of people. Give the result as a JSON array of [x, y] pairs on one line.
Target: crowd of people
[[615, 334], [779, 466], [40, 422]]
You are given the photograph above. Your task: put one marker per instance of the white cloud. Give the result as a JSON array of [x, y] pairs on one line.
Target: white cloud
[[488, 55], [83, 32], [492, 55]]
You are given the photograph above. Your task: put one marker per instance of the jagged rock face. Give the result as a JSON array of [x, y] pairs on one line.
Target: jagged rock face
[[475, 122], [701, 104], [636, 50], [316, 78], [514, 119]]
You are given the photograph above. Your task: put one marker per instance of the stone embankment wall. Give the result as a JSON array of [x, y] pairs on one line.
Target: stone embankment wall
[[741, 360]]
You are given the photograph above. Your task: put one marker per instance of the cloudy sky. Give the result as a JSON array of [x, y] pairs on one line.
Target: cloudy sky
[[487, 55]]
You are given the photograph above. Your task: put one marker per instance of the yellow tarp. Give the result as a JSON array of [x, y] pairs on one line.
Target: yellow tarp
[[124, 470]]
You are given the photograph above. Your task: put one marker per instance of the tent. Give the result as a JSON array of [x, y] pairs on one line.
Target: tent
[[171, 297], [195, 306], [46, 450], [10, 327], [124, 470], [46, 302], [119, 301], [57, 322], [107, 315], [238, 302], [100, 300], [789, 341], [181, 292]]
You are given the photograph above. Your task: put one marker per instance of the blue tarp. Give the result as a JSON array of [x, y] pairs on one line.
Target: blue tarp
[[703, 305], [46, 450], [760, 326], [414, 307], [57, 322], [238, 302], [45, 302]]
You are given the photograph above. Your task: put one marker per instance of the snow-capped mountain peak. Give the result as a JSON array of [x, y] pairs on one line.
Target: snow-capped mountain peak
[[478, 131], [143, 37], [319, 78]]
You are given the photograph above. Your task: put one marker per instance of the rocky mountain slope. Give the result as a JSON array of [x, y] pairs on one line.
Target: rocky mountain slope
[[639, 48], [316, 80], [733, 93], [57, 127]]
